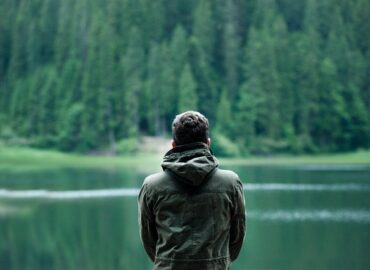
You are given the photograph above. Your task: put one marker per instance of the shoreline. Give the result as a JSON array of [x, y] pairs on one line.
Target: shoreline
[[15, 157]]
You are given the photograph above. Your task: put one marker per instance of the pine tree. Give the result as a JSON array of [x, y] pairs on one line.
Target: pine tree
[[5, 38], [70, 138], [285, 68], [188, 99], [174, 56], [63, 39], [34, 109], [68, 90], [79, 35], [362, 25], [360, 29], [48, 27], [108, 73], [293, 12], [91, 83], [18, 106], [48, 109], [203, 43], [154, 20], [232, 50], [18, 58], [152, 96], [331, 108], [224, 117], [245, 119], [133, 72], [4, 56], [350, 75], [305, 80], [262, 71]]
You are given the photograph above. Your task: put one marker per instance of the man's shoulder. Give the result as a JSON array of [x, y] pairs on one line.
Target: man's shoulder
[[227, 175], [155, 180], [226, 178]]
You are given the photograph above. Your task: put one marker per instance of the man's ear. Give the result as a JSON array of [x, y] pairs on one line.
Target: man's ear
[[173, 143], [209, 141]]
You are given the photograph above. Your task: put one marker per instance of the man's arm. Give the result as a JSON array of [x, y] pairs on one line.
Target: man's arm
[[238, 223], [148, 232]]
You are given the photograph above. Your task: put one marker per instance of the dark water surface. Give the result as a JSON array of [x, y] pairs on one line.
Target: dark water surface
[[299, 217]]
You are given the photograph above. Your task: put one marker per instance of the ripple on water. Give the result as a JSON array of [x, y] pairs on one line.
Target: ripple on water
[[340, 215]]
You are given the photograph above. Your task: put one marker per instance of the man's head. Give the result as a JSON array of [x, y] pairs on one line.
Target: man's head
[[190, 127]]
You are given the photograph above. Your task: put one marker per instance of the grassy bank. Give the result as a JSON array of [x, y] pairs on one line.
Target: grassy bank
[[358, 157], [28, 158]]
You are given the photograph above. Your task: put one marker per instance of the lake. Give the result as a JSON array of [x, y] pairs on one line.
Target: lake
[[299, 217]]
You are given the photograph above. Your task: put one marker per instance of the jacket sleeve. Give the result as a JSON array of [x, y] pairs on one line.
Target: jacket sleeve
[[238, 222], [148, 232]]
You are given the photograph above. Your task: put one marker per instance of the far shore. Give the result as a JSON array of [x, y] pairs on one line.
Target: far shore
[[14, 157]]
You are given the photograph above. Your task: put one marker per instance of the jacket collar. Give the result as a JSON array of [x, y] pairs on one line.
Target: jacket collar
[[190, 163]]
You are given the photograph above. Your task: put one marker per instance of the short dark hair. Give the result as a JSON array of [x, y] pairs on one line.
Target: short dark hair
[[190, 127]]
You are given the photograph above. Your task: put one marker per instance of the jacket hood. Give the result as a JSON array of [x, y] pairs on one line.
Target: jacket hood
[[190, 163]]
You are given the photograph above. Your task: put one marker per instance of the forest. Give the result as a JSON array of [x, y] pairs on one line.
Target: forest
[[272, 76]]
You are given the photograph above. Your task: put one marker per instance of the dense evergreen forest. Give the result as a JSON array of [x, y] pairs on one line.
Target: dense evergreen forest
[[272, 76]]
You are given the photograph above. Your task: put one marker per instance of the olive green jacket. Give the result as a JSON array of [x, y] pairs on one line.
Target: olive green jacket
[[192, 215]]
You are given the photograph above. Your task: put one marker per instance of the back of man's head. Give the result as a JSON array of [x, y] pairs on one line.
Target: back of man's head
[[190, 127]]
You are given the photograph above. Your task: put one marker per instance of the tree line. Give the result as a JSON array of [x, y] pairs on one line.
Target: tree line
[[271, 75]]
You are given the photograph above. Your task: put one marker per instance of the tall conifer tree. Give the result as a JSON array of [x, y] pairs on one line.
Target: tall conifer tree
[[203, 43], [188, 99], [133, 71]]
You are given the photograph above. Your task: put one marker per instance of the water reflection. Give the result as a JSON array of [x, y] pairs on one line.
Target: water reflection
[[298, 218]]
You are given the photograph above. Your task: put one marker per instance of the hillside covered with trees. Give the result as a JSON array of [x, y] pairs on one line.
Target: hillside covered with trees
[[272, 76]]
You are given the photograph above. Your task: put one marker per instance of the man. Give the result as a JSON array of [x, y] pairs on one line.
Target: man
[[192, 215]]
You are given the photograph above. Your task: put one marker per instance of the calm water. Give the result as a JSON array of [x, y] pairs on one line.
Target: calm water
[[299, 217]]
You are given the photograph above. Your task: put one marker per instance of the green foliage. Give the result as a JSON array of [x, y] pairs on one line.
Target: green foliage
[[133, 72], [202, 56], [267, 146], [7, 134], [231, 41], [223, 146], [245, 119], [224, 118], [127, 146], [272, 75], [188, 99], [70, 137]]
